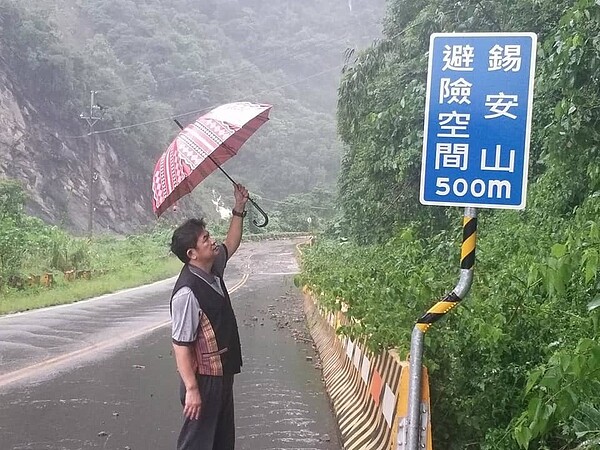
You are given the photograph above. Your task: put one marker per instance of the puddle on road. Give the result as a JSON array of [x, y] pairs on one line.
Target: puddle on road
[[280, 399]]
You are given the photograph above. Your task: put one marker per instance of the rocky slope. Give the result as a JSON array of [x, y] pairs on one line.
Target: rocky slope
[[54, 170], [150, 62]]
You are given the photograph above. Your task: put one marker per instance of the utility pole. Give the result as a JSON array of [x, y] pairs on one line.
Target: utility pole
[[91, 120]]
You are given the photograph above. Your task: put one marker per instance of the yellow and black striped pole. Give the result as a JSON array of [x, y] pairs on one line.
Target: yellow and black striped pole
[[467, 261]]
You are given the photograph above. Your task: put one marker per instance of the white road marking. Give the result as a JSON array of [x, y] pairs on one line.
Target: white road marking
[[25, 372], [82, 302]]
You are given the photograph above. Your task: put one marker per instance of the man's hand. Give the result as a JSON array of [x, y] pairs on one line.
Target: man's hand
[[240, 194], [193, 404]]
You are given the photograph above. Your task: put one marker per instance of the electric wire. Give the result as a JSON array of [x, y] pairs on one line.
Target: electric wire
[[251, 65], [150, 122], [279, 202], [225, 77], [197, 111]]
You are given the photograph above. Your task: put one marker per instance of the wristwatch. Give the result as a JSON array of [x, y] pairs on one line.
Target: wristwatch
[[238, 214]]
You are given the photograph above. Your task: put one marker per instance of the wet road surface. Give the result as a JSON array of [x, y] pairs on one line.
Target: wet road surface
[[100, 374]]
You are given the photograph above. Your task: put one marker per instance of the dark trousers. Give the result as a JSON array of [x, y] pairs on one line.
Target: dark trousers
[[215, 430]]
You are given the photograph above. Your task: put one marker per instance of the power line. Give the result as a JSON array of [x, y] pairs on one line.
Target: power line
[[292, 204], [331, 69], [221, 77], [253, 63], [239, 71], [150, 122]]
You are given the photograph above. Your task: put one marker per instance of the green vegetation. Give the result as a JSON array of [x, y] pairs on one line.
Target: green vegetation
[[517, 365], [61, 292], [82, 268], [153, 60], [30, 249]]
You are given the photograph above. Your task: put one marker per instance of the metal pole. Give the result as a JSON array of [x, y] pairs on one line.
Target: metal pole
[[90, 227], [91, 120], [414, 388], [467, 261]]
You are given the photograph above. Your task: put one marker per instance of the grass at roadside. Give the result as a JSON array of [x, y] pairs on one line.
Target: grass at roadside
[[32, 252], [68, 292], [124, 262]]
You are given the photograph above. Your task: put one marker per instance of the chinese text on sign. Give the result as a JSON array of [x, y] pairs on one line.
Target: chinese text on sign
[[478, 119]]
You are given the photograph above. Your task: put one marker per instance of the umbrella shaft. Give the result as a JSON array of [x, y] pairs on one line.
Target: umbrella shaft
[[232, 180]]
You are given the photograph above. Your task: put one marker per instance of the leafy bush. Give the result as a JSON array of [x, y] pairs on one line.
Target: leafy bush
[[29, 246], [529, 300], [515, 366]]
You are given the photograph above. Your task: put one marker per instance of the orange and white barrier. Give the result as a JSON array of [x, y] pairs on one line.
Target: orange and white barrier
[[369, 392]]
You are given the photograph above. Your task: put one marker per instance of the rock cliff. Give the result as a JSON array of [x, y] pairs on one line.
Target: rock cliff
[[54, 169]]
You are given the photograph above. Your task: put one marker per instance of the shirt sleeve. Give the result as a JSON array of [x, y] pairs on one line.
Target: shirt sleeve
[[185, 317], [220, 261]]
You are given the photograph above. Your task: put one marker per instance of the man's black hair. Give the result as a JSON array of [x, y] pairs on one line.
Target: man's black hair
[[186, 237]]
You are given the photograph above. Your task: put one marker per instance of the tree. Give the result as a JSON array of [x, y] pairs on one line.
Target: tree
[[12, 241]]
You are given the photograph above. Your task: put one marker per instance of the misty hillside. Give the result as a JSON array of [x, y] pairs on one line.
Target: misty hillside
[[150, 61]]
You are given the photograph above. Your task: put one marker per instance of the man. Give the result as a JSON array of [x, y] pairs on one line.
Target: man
[[205, 336]]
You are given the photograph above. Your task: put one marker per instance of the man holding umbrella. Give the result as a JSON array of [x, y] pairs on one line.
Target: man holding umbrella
[[205, 335]]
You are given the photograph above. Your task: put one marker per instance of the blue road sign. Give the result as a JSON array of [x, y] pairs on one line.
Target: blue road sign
[[478, 119]]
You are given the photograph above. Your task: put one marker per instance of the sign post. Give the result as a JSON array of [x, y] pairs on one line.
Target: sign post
[[475, 151]]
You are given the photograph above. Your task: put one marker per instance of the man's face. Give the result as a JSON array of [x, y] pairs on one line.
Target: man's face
[[205, 251]]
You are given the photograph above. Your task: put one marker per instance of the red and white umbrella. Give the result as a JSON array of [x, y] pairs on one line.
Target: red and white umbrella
[[202, 147]]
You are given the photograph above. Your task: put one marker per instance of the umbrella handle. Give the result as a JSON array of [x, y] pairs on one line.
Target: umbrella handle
[[260, 210]]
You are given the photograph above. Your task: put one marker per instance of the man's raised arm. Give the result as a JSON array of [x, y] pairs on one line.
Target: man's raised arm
[[234, 234]]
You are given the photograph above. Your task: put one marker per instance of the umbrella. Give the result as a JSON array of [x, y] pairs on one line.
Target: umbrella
[[202, 147]]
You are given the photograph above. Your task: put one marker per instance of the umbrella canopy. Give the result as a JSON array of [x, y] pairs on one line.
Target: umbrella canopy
[[202, 147]]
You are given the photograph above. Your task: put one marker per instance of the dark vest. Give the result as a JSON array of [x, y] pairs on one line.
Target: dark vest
[[219, 312]]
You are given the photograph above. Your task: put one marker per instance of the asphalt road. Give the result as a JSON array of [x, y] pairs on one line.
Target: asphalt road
[[100, 374]]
